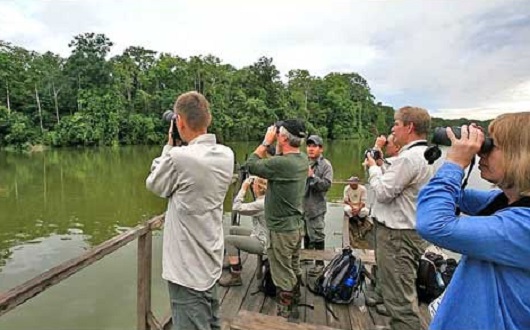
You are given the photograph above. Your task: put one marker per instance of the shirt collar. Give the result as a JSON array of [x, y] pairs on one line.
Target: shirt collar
[[204, 139], [411, 144]]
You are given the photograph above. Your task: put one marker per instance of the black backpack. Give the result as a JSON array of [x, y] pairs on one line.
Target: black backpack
[[266, 285], [434, 275], [340, 279]]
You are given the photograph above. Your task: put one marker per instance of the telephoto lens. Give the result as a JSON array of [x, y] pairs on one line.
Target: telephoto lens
[[440, 138], [168, 115]]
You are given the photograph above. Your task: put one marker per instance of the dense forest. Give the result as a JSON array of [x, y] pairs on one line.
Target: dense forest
[[91, 98]]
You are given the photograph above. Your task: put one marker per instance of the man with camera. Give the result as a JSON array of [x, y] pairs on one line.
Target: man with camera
[[399, 247], [319, 178], [286, 174], [194, 178]]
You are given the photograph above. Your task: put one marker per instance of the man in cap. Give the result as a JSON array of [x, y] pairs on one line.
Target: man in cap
[[286, 174], [355, 200], [319, 178]]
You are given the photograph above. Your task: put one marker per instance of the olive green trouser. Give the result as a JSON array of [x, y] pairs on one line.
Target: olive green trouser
[[398, 253], [284, 258]]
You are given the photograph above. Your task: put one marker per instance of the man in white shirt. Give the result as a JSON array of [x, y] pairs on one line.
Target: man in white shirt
[[399, 247], [195, 179], [355, 199]]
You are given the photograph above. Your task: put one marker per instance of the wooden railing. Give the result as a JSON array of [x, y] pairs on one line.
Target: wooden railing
[[145, 318]]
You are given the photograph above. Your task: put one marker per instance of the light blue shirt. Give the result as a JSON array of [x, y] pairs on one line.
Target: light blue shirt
[[491, 286]]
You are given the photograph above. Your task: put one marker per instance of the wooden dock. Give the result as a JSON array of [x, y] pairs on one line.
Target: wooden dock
[[242, 308]]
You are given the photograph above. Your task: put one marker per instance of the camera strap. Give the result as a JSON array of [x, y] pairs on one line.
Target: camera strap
[[466, 179]]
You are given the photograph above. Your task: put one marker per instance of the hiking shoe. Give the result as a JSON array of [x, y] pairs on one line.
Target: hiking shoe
[[381, 309], [231, 279], [316, 270]]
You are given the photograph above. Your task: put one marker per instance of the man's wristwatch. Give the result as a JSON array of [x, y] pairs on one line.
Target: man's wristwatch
[[265, 144]]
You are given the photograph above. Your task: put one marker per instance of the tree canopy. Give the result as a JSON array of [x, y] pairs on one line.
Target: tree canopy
[[90, 99]]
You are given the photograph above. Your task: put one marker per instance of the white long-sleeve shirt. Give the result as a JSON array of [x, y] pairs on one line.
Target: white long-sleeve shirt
[[396, 190], [195, 179]]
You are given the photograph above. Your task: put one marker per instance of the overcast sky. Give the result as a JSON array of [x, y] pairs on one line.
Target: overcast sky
[[455, 58]]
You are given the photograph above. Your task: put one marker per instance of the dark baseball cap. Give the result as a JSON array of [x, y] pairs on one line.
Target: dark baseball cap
[[294, 126], [316, 140]]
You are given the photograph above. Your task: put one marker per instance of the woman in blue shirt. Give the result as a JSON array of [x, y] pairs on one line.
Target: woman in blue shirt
[[491, 286]]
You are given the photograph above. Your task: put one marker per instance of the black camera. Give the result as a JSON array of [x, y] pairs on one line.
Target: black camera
[[440, 138], [170, 116], [374, 153]]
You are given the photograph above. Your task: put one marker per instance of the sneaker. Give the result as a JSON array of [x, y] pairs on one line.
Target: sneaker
[[231, 279], [381, 309]]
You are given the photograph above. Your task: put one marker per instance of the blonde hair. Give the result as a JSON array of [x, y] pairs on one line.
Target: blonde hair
[[262, 185], [511, 133], [418, 116]]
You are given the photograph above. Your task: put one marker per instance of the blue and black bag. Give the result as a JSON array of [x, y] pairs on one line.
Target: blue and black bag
[[341, 279]]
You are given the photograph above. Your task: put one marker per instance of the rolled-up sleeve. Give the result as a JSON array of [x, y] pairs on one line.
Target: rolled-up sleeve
[[163, 177], [249, 209], [396, 178]]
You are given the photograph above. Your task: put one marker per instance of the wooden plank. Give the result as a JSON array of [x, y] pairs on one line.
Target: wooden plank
[[253, 302], [38, 284], [345, 231], [143, 301], [269, 307], [342, 320], [367, 256], [255, 321], [303, 310], [317, 254], [360, 319], [236, 294]]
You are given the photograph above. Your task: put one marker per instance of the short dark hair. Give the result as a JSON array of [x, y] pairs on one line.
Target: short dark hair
[[195, 109]]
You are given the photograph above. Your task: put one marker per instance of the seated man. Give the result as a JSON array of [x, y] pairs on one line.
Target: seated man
[[355, 200]]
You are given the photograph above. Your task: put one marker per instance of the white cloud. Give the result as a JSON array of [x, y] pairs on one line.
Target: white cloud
[[442, 55]]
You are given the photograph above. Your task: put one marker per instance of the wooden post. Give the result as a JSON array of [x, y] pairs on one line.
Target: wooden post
[[144, 280], [345, 231]]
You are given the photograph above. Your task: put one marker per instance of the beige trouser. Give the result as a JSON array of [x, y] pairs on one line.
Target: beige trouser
[[284, 258], [398, 253]]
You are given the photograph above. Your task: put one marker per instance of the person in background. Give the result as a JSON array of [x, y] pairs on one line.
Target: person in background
[[195, 179], [491, 286], [319, 178], [355, 200], [253, 240], [286, 174], [399, 247], [391, 150]]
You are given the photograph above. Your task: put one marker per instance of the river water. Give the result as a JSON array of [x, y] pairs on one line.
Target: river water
[[54, 205]]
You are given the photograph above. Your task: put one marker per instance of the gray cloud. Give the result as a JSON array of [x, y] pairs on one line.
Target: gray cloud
[[448, 56]]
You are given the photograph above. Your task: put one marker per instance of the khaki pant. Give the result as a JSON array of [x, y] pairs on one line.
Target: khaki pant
[[284, 258], [240, 239], [398, 253]]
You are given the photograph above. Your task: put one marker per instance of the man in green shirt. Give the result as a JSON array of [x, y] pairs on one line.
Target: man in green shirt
[[286, 174]]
